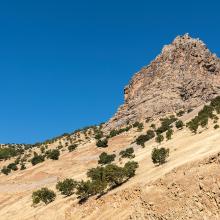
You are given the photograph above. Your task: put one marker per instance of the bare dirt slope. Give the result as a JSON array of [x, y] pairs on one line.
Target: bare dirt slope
[[186, 187]]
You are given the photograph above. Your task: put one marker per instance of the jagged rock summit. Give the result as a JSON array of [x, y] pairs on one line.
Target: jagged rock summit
[[185, 75]]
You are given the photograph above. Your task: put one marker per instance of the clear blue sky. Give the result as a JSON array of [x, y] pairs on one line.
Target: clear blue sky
[[64, 64]]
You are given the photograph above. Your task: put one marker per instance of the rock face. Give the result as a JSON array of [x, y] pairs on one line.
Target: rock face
[[185, 75]]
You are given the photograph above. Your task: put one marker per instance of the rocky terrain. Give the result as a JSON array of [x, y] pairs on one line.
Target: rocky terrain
[[184, 76]]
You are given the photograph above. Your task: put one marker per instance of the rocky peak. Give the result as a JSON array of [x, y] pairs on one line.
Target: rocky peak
[[186, 50], [185, 75]]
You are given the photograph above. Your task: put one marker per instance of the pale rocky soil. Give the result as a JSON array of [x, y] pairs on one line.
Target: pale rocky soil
[[186, 187]]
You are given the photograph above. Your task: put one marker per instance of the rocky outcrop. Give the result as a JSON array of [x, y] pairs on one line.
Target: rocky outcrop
[[185, 75]]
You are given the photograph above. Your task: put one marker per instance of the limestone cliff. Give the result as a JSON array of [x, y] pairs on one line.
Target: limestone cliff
[[185, 75]]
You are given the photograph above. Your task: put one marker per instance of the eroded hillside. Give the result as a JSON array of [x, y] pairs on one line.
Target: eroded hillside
[[168, 105], [156, 192]]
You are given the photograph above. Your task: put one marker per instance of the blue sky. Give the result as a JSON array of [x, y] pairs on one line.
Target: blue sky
[[64, 64]]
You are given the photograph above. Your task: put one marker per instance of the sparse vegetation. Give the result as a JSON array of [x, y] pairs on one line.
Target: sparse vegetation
[[103, 179], [141, 140], [204, 115], [72, 147], [10, 151], [23, 167], [216, 126], [105, 158], [153, 126], [180, 113], [130, 168], [144, 138], [99, 135], [37, 159], [138, 125], [45, 195], [12, 166], [5, 170], [85, 189], [53, 154], [179, 124], [127, 153], [67, 187], [159, 138], [102, 143], [159, 155], [115, 132], [42, 149], [165, 124], [169, 134]]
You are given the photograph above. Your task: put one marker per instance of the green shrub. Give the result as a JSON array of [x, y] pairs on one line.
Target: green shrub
[[150, 134], [203, 116], [23, 167], [144, 138], [216, 126], [114, 175], [12, 166], [85, 189], [141, 140], [8, 152], [136, 124], [180, 113], [130, 168], [179, 124], [140, 127], [193, 125], [105, 158], [45, 195], [159, 155], [97, 174], [204, 122], [165, 124], [61, 146], [102, 143], [42, 149], [17, 161], [37, 159], [114, 132], [159, 138], [97, 185], [215, 103], [72, 147], [99, 135], [67, 186], [53, 154], [127, 153], [5, 170], [153, 126], [169, 134], [103, 179]]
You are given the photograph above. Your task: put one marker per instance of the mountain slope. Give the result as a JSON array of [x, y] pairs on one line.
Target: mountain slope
[[186, 187], [132, 200]]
